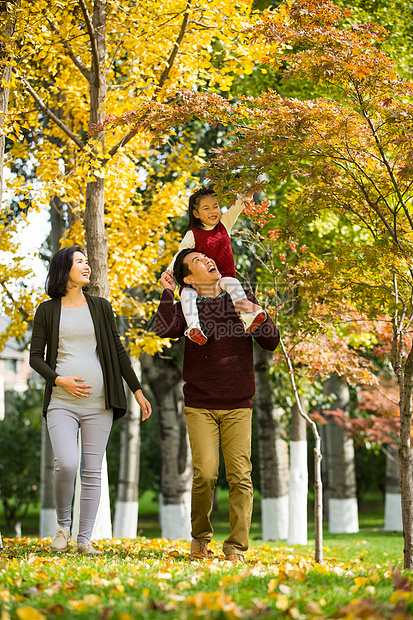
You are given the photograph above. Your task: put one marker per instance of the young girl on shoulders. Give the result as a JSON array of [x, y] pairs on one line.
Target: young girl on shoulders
[[209, 232]]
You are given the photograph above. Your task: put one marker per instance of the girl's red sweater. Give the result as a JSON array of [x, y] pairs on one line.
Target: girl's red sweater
[[216, 244]]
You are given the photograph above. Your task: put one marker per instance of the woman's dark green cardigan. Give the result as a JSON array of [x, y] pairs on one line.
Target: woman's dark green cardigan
[[113, 358]]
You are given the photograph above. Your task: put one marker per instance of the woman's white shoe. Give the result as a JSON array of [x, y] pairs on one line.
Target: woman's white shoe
[[88, 549], [61, 540]]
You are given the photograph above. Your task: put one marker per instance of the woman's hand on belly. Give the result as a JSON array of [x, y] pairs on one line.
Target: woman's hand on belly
[[72, 385]]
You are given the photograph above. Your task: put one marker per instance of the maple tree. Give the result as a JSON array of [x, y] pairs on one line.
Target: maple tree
[[349, 149]]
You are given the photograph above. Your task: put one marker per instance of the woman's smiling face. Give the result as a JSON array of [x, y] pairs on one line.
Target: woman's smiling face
[[79, 274]]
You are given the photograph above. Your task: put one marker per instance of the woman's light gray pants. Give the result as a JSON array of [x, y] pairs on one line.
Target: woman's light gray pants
[[63, 423]]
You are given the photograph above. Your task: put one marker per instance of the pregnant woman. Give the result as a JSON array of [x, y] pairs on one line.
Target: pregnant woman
[[76, 348]]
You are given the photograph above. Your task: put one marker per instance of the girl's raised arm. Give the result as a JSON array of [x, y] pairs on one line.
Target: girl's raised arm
[[230, 217]]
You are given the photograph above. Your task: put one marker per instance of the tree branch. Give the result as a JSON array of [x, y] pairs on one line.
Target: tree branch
[[177, 43], [113, 58], [318, 497], [387, 453], [79, 143], [394, 402], [22, 311], [91, 33], [371, 204], [384, 158], [132, 133], [162, 79], [76, 60]]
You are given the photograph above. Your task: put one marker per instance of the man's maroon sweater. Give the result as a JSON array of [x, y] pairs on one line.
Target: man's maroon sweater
[[220, 373]]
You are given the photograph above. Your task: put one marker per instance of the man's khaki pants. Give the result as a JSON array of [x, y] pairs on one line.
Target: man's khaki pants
[[205, 428]]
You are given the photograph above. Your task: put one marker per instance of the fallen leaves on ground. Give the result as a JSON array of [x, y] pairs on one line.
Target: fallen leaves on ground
[[152, 578]]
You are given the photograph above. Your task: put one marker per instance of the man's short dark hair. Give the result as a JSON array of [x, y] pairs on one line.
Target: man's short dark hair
[[181, 269]]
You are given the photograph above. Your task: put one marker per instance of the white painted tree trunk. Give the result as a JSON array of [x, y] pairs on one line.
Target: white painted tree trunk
[[342, 502], [273, 452], [165, 380], [343, 515], [393, 512], [48, 522], [127, 507], [393, 500], [275, 517], [48, 517], [125, 524], [297, 528], [175, 519]]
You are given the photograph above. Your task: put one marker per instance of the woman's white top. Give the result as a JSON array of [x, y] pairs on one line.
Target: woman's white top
[[77, 357]]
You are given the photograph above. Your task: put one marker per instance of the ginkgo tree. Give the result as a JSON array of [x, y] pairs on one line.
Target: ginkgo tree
[[349, 149], [73, 61]]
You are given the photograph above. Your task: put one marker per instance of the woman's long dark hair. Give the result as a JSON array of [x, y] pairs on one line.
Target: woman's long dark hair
[[194, 201], [59, 270]]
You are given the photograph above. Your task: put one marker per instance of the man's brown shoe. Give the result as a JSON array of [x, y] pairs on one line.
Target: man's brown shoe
[[235, 558], [199, 550]]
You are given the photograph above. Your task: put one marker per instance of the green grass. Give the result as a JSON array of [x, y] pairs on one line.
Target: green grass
[[154, 579], [371, 542], [151, 577]]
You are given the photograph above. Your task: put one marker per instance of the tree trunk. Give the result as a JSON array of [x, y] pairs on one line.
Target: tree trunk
[[324, 472], [126, 512], [405, 458], [273, 453], [4, 101], [164, 377], [392, 503], [5, 75], [48, 518], [58, 227], [96, 237], [343, 511], [297, 529]]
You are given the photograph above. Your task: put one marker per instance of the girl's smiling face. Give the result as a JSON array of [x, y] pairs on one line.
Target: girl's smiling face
[[208, 211]]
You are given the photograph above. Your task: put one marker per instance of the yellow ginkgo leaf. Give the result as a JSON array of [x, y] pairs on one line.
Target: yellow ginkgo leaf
[[91, 599], [282, 602], [29, 613]]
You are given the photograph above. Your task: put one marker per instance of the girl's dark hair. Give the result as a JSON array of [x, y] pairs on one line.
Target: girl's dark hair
[[194, 201], [59, 270]]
